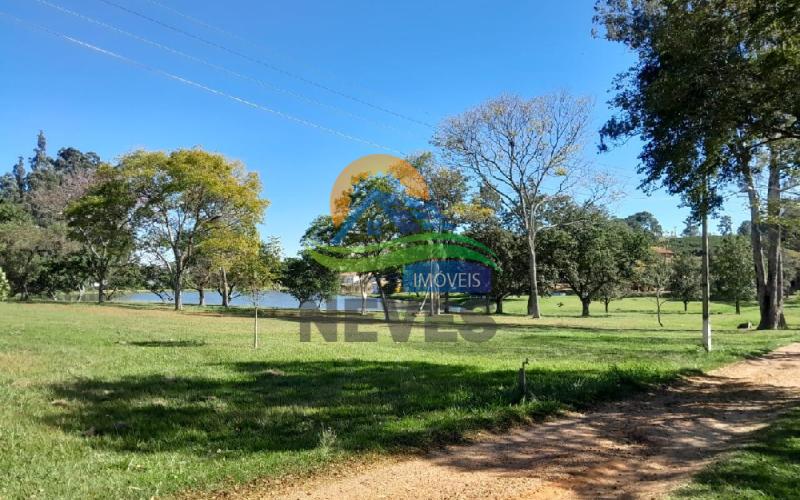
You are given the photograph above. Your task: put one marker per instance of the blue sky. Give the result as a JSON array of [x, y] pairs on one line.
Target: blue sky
[[422, 60]]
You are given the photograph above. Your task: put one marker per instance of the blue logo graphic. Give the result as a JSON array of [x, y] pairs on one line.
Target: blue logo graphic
[[451, 276]]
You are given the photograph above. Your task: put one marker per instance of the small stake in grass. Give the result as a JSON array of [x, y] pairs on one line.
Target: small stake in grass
[[522, 380], [255, 330]]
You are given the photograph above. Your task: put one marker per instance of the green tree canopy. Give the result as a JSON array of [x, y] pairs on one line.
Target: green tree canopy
[[732, 268], [187, 195], [684, 284], [308, 281], [593, 252], [647, 222], [102, 221]]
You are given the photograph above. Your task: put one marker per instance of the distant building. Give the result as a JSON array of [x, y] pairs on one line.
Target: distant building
[[664, 252], [349, 279]]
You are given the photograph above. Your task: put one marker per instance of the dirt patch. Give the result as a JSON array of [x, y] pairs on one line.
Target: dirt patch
[[638, 448]]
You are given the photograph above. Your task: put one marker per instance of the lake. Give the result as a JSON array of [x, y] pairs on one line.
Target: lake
[[278, 300]]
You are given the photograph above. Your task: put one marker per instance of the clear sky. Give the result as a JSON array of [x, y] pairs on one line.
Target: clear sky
[[420, 60]]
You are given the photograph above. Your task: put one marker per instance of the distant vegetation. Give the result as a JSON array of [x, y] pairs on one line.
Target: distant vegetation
[[166, 222]]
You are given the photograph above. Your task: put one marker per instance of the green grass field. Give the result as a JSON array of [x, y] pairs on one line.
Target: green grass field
[[130, 402]]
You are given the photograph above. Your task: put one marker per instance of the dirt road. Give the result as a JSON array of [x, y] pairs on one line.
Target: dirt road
[[638, 448]]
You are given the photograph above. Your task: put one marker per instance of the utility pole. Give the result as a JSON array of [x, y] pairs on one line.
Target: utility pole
[[706, 281]]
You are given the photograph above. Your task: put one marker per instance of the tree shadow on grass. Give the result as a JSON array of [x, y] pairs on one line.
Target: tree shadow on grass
[[167, 343], [284, 406]]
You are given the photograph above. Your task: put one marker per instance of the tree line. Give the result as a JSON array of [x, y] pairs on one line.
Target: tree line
[[188, 220], [162, 221]]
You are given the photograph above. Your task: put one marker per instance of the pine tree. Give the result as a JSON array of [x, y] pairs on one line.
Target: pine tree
[[39, 160], [20, 177]]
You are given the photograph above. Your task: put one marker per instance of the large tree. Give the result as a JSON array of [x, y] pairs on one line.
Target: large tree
[[647, 222], [185, 196], [307, 280], [524, 150], [102, 221], [594, 251], [381, 210], [25, 250], [712, 90]]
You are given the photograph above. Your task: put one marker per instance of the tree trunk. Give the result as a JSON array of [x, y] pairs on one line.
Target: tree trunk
[[178, 289], [738, 307], [362, 284], [225, 291], [585, 301], [658, 309], [101, 290], [498, 305], [533, 298], [201, 296], [605, 303], [447, 302], [685, 306], [384, 300], [772, 299], [706, 285]]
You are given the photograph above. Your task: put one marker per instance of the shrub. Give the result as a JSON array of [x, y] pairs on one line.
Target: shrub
[[5, 288]]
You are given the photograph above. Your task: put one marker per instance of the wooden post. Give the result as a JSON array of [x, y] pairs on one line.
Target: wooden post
[[522, 380]]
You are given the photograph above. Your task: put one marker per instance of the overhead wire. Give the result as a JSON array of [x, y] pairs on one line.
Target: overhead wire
[[198, 85], [248, 41], [216, 67], [266, 64]]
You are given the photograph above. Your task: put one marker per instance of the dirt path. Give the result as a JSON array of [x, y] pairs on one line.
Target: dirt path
[[639, 448]]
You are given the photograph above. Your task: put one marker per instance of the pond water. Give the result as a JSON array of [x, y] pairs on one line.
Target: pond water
[[280, 300]]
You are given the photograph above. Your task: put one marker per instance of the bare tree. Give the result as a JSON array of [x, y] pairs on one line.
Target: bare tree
[[526, 152]]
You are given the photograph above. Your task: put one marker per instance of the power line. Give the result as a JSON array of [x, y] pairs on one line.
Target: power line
[[247, 41], [217, 67], [265, 64], [198, 85]]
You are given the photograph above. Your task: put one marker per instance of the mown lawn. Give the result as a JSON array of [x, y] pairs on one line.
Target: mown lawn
[[131, 402], [769, 467]]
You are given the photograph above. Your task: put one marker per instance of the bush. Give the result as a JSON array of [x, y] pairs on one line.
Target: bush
[[5, 288]]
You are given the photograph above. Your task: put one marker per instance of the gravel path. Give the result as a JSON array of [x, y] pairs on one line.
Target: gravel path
[[638, 448]]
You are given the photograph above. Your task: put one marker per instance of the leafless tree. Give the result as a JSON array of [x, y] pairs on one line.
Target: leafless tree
[[526, 151]]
